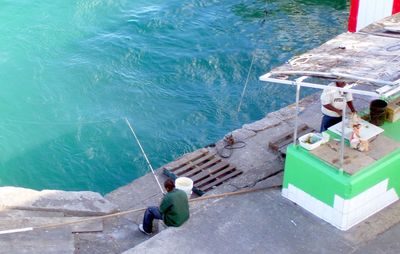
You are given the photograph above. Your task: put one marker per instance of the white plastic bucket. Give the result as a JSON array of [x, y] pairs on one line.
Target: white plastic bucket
[[185, 184]]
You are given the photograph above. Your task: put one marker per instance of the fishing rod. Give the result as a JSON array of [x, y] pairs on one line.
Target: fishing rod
[[144, 154]]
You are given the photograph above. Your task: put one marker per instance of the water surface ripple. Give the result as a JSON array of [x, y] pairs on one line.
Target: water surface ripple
[[72, 70]]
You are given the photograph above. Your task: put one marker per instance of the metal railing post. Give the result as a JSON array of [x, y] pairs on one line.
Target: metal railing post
[[296, 120], [342, 139]]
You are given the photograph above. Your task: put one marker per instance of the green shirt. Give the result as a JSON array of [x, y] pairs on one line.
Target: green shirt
[[175, 208]]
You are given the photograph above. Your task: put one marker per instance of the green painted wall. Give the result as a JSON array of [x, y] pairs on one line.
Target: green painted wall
[[313, 176], [392, 130]]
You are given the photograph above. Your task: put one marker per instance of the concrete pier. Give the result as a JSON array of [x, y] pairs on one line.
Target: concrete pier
[[257, 222]]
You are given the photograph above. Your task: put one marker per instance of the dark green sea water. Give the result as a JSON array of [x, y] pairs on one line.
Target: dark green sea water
[[70, 71]]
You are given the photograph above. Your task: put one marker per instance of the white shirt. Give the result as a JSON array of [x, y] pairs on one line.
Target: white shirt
[[336, 98]]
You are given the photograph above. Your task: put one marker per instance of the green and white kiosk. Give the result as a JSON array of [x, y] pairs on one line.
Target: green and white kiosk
[[340, 197], [339, 184]]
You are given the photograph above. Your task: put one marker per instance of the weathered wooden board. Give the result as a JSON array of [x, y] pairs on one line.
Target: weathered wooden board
[[207, 170], [280, 143], [184, 159], [353, 162], [381, 147]]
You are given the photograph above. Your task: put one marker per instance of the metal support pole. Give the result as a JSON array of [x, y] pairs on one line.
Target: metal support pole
[[296, 122], [342, 139]]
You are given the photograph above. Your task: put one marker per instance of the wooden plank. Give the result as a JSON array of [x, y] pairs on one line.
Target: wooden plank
[[204, 169], [381, 147], [191, 164], [215, 175], [287, 138], [287, 142], [221, 180], [183, 160], [353, 162], [185, 163], [201, 167], [209, 171], [283, 148]]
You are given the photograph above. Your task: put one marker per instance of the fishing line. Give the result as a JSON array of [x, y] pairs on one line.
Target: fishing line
[[251, 64], [144, 154], [245, 84]]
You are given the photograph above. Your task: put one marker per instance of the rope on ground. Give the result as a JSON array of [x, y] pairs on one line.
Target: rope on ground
[[222, 195], [230, 145]]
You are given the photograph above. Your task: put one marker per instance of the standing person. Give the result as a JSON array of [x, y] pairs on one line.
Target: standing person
[[332, 103], [173, 210]]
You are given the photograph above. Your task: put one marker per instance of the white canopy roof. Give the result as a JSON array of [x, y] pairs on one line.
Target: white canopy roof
[[371, 56]]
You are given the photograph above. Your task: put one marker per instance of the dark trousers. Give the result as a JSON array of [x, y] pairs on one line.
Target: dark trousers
[[328, 121], [151, 213]]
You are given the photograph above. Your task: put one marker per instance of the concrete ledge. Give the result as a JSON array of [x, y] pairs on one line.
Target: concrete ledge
[[71, 203], [263, 124], [50, 241]]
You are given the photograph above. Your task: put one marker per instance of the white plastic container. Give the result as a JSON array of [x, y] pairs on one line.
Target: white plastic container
[[308, 146], [325, 137], [185, 184]]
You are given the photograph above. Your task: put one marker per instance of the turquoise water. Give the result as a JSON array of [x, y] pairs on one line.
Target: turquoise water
[[72, 70]]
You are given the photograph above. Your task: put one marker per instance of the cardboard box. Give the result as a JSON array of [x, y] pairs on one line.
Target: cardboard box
[[393, 111]]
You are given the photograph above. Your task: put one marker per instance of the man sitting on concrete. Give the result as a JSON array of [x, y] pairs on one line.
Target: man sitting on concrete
[[174, 209]]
